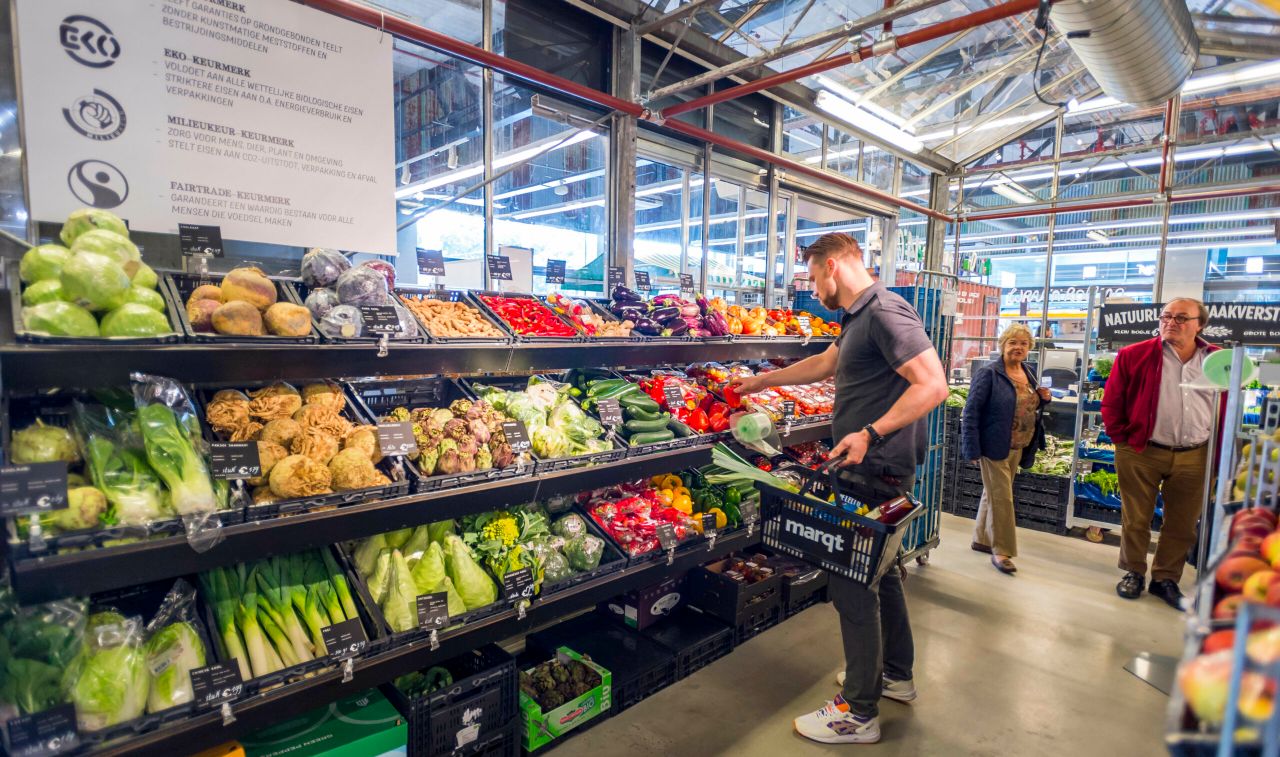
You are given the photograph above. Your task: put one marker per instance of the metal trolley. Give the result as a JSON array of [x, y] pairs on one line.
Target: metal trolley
[[934, 297]]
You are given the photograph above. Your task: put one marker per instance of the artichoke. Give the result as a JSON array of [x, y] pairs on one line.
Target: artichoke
[[399, 415], [459, 408], [457, 430], [484, 458], [502, 453]]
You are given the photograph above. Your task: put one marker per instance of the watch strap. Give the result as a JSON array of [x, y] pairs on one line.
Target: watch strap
[[876, 438]]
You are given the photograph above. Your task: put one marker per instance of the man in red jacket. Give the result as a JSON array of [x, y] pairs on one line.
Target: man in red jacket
[[1161, 431]]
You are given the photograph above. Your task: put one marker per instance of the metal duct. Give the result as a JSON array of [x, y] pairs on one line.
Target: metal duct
[[1140, 51]]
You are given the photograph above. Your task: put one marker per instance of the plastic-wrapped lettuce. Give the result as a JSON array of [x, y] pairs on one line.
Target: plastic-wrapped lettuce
[[173, 649], [584, 552], [37, 645], [570, 526], [111, 678], [556, 567], [118, 467]]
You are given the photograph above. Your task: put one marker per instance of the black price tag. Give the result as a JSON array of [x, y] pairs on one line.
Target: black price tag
[[217, 683], [617, 276], [500, 267], [642, 281], [686, 282], [232, 461], [33, 488], [750, 511], [666, 534], [52, 731], [555, 271], [610, 412], [517, 585], [708, 524], [433, 610], [430, 262], [516, 436], [397, 439], [380, 319], [675, 397], [200, 240], [345, 639], [788, 408]]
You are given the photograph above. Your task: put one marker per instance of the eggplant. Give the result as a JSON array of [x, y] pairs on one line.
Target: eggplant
[[690, 310], [666, 300], [623, 295], [647, 326], [679, 328], [629, 314], [662, 315], [716, 324], [703, 305]]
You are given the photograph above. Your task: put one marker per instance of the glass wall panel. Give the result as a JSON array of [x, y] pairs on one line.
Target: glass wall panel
[[755, 246], [659, 209], [722, 246], [801, 136]]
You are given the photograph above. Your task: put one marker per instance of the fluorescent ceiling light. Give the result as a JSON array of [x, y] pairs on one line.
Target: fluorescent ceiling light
[[1059, 244], [1017, 194], [1253, 265], [849, 95], [1090, 272], [1206, 82], [501, 161], [868, 122], [1098, 236]]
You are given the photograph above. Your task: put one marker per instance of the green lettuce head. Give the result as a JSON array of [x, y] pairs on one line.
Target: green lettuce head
[[136, 320], [171, 654], [95, 281], [48, 290], [42, 263], [88, 219], [58, 318]]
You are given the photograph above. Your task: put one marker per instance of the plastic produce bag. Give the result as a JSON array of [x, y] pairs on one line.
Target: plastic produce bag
[[320, 301], [570, 526], [584, 552], [363, 286], [556, 567], [387, 270], [343, 321], [37, 645], [408, 324], [177, 453], [321, 267], [111, 681], [173, 649], [560, 503], [117, 465]]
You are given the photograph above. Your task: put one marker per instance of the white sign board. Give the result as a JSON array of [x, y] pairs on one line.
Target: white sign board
[[264, 117]]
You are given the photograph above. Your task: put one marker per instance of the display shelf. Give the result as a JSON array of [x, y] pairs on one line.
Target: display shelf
[[294, 699], [79, 573]]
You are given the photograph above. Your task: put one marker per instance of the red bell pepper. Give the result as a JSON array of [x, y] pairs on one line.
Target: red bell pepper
[[698, 420]]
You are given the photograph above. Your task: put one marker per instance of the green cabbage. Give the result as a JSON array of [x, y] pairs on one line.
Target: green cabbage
[[49, 290], [145, 277], [43, 263], [172, 653], [366, 555], [474, 585], [144, 296], [400, 606], [429, 573], [457, 608], [109, 243], [414, 548], [134, 319], [396, 539], [379, 582], [439, 530], [88, 219], [58, 318], [96, 282]]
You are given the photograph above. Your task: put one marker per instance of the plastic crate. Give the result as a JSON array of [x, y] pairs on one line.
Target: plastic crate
[[455, 295], [647, 606], [299, 293], [22, 335], [640, 667], [758, 621], [695, 638], [183, 284], [747, 607], [478, 298], [476, 715], [378, 398]]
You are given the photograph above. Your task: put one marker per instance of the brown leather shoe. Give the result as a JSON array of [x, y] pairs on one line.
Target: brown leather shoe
[[1004, 564], [976, 547]]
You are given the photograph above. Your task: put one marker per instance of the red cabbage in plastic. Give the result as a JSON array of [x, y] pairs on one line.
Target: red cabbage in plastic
[[343, 321], [321, 267], [320, 301], [363, 286], [385, 268]]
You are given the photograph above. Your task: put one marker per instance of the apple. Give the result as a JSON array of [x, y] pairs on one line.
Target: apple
[[1256, 585], [1251, 544], [1228, 606], [1218, 641], [1270, 548], [1263, 647], [1205, 682], [1255, 512], [1255, 525], [1234, 571], [1257, 696]]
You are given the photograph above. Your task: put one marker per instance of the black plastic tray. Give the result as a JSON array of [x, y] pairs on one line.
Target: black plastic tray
[[456, 295], [353, 412], [604, 313], [298, 294], [695, 638], [377, 398], [21, 334], [183, 284], [691, 541], [477, 298]]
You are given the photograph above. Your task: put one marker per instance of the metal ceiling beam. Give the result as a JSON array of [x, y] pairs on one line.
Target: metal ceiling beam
[[1243, 20], [969, 87], [913, 66], [1008, 136], [845, 31], [1238, 44], [683, 11]]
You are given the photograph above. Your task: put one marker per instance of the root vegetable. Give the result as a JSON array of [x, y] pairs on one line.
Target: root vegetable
[[238, 318]]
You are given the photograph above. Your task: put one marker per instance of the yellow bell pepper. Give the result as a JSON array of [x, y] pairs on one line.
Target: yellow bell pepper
[[670, 481], [657, 480], [722, 520], [682, 491], [683, 503], [665, 496]]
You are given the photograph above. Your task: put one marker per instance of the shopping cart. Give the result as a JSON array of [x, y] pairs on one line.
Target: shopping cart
[[820, 526]]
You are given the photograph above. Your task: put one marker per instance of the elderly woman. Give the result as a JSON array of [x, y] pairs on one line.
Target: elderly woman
[[1001, 429]]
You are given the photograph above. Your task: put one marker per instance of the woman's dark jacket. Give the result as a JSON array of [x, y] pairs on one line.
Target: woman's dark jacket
[[986, 427]]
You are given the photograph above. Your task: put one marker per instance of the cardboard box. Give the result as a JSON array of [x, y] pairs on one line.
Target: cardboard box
[[542, 728], [361, 725], [641, 608]]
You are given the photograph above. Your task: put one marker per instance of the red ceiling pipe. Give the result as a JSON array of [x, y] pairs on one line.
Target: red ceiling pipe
[[888, 25], [946, 28], [1211, 194], [791, 165]]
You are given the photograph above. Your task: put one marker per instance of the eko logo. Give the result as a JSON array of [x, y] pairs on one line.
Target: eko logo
[[88, 41], [97, 116]]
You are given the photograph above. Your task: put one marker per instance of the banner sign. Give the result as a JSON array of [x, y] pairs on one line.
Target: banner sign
[[258, 117], [1255, 323]]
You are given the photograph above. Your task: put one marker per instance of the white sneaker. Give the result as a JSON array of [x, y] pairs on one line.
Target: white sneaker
[[834, 724], [898, 691]]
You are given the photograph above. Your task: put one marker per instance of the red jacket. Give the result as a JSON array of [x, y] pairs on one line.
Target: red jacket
[[1133, 390]]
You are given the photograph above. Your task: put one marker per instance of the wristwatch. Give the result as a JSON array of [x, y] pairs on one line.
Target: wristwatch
[[876, 438]]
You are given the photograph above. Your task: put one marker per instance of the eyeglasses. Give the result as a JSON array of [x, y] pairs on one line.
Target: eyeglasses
[[1178, 319]]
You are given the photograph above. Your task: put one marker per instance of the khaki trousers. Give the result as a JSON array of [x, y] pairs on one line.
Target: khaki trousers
[[1179, 477], [996, 525]]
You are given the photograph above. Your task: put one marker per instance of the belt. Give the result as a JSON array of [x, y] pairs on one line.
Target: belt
[[1158, 445]]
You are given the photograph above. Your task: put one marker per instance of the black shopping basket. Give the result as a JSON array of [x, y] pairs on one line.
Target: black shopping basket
[[826, 534]]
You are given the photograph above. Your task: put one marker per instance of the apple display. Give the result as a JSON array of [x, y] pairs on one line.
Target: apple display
[[1256, 586], [1234, 571]]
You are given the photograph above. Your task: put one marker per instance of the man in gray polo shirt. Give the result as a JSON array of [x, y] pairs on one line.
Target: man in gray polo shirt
[[888, 378]]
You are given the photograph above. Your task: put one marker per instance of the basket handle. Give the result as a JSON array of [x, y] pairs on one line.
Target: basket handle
[[829, 469]]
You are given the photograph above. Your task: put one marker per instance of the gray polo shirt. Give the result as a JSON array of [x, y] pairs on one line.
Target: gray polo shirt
[[879, 333]]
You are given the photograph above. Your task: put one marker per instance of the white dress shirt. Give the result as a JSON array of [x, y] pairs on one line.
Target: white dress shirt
[[1184, 417]]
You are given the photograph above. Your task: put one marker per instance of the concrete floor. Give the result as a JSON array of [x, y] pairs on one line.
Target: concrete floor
[[1025, 665]]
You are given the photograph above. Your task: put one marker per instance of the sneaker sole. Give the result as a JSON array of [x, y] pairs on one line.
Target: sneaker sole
[[834, 739]]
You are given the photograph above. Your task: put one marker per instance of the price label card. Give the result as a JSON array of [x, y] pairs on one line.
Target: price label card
[[233, 461], [430, 262], [380, 319], [33, 488], [397, 439], [433, 610], [708, 524], [750, 511], [673, 395], [500, 267], [617, 275], [517, 585], [200, 240], [805, 327], [666, 534], [788, 408], [642, 281], [214, 684], [555, 271], [345, 639], [52, 731], [516, 436], [610, 412], [686, 282]]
